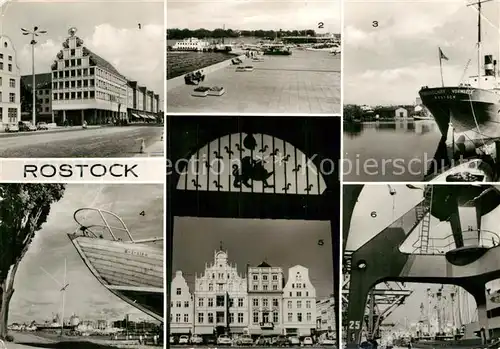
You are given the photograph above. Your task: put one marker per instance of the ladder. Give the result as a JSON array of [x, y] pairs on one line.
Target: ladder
[[423, 215]]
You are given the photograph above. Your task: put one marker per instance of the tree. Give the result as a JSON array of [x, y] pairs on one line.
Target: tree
[[23, 210], [352, 112]]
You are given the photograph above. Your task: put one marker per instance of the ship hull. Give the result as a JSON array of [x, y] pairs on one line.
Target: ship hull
[[464, 106], [133, 272]]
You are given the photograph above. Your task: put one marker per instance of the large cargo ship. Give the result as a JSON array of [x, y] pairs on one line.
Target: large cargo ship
[[471, 107], [129, 268]]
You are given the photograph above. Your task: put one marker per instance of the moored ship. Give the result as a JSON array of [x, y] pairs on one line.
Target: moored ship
[[472, 107], [129, 268]]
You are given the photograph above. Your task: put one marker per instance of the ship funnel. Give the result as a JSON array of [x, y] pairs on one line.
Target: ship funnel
[[489, 69]]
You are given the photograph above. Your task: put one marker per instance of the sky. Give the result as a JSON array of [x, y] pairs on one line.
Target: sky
[[110, 29], [388, 208], [37, 295], [389, 63], [251, 241], [255, 14]]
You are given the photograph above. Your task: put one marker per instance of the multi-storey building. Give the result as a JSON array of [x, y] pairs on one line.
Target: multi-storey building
[[43, 88], [221, 304], [181, 307], [325, 315], [10, 82], [299, 303], [265, 299], [86, 87]]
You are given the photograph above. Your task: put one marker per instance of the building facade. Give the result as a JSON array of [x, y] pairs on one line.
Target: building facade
[[10, 84], [299, 303], [221, 301], [325, 315], [181, 307], [43, 88], [265, 299], [85, 87]]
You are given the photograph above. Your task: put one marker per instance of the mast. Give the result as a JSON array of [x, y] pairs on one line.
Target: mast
[[479, 48]]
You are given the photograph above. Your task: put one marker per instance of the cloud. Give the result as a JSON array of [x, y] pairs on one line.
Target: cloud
[[389, 62], [136, 53]]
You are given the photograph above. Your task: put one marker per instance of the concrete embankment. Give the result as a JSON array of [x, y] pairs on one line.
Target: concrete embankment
[[179, 80]]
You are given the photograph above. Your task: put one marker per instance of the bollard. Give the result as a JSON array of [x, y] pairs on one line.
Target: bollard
[[143, 147]]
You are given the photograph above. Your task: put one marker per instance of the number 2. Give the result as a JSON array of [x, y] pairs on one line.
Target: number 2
[[354, 325], [321, 25]]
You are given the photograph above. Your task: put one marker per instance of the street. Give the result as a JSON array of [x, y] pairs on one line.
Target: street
[[214, 346], [111, 141]]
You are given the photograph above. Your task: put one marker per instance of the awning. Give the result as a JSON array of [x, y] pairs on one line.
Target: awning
[[136, 116]]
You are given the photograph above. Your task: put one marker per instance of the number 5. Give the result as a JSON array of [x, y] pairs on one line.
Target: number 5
[[354, 325]]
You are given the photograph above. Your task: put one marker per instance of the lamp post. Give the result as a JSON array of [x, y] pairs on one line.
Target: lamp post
[[33, 33]]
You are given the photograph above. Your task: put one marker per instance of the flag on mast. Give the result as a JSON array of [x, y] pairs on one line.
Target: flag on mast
[[441, 57]]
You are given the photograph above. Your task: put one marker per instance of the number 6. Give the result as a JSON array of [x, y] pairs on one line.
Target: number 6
[[354, 325]]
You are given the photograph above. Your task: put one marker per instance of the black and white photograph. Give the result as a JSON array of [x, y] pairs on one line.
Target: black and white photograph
[[82, 265], [254, 57], [421, 266], [81, 79], [254, 231], [421, 91]]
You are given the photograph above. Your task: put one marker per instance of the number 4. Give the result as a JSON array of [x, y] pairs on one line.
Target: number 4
[[142, 213], [354, 325]]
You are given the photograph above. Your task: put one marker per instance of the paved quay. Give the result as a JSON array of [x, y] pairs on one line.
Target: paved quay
[[305, 82]]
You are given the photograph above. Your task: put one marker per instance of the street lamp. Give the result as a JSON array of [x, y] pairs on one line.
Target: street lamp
[[33, 33]]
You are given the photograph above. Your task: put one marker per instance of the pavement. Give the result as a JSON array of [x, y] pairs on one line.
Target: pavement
[[306, 82], [94, 142]]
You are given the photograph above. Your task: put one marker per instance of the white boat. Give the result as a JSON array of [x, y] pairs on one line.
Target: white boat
[[131, 269], [191, 44]]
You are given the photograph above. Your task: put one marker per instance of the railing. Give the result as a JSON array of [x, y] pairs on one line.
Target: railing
[[475, 237], [89, 230]]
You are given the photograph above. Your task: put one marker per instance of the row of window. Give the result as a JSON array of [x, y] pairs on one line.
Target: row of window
[[299, 317], [73, 84], [12, 97], [9, 66], [10, 57], [257, 317], [43, 92], [299, 304], [265, 277], [74, 95], [220, 318], [61, 74], [12, 82], [11, 114], [265, 287], [265, 302], [265, 317]]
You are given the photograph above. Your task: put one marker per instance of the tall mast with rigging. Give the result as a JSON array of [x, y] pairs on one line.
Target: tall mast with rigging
[[479, 51]]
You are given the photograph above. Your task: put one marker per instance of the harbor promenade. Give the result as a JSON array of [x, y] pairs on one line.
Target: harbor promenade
[[306, 82]]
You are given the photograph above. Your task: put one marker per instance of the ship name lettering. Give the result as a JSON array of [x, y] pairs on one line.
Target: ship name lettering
[[136, 253]]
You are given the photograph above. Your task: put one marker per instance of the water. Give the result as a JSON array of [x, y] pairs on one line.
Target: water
[[389, 151]]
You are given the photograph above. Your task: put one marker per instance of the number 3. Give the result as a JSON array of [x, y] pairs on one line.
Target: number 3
[[354, 325]]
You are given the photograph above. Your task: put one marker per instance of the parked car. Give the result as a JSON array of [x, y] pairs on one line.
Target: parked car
[[210, 340], [172, 340], [263, 341], [282, 341], [12, 128], [184, 339], [26, 126], [308, 341], [196, 339], [42, 126], [244, 340], [294, 340], [224, 339]]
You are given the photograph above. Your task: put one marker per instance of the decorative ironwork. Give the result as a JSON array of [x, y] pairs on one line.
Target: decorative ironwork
[[256, 163]]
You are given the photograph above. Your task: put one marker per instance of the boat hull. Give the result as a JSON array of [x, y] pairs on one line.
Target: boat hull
[[459, 105], [133, 272]]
